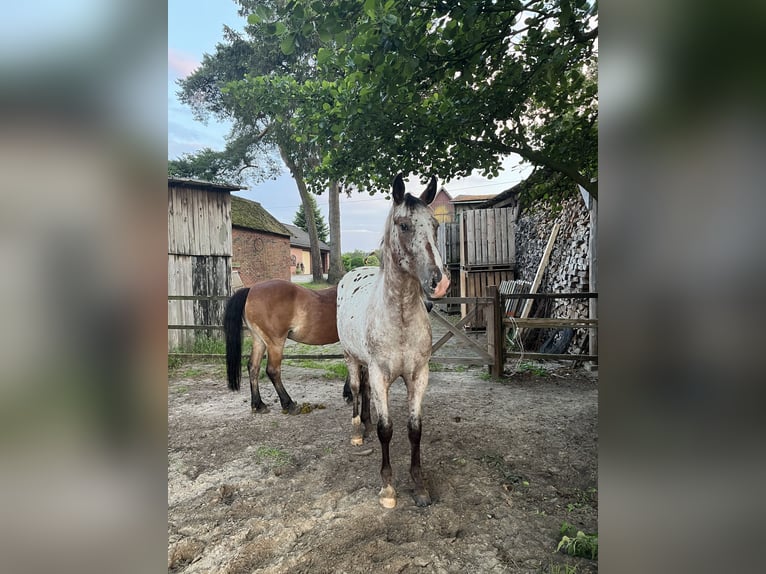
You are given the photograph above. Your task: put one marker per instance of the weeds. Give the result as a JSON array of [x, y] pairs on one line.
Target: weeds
[[577, 543], [532, 369], [273, 455], [554, 568]]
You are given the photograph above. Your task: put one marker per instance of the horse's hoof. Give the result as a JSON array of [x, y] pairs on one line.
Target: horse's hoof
[[293, 409], [387, 502], [387, 497], [262, 410], [422, 500], [357, 440]]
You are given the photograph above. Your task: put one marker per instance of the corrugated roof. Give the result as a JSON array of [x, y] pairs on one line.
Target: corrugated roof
[[300, 238], [251, 215], [206, 184]]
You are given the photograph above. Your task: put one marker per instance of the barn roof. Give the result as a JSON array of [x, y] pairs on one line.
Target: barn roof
[[184, 181], [300, 238], [472, 198], [251, 215]]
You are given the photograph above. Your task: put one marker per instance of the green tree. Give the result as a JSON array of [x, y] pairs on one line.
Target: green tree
[[227, 166], [441, 86], [300, 219], [265, 125]]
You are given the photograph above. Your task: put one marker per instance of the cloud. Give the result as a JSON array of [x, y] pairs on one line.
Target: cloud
[[180, 64]]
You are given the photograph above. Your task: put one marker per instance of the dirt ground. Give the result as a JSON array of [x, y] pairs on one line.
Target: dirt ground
[[506, 462]]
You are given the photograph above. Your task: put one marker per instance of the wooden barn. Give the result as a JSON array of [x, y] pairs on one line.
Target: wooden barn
[[199, 255], [260, 243]]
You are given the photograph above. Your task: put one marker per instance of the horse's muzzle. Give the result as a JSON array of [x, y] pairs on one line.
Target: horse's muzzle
[[439, 284]]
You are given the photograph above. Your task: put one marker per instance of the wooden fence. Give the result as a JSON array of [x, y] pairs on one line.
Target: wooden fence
[[492, 353]]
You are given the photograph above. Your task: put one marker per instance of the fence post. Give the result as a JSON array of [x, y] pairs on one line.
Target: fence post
[[495, 333]]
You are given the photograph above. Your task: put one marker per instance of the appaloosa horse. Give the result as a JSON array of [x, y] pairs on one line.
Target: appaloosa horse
[[384, 327], [275, 311]]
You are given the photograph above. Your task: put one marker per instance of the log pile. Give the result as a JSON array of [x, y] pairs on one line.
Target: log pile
[[568, 269]]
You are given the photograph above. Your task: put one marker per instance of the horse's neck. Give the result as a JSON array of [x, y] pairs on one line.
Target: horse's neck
[[398, 289]]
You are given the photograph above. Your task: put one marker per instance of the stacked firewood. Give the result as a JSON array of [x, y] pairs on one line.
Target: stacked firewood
[[568, 269]]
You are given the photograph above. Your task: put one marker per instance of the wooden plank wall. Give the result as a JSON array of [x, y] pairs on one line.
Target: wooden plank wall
[[476, 284], [180, 312], [488, 238], [448, 240], [201, 276], [199, 221], [199, 258]]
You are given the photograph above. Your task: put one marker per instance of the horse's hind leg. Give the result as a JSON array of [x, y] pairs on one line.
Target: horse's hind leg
[[364, 387], [357, 434], [254, 371], [274, 371]]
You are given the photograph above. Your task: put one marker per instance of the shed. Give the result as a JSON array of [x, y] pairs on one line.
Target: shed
[[199, 255], [300, 251], [261, 245]]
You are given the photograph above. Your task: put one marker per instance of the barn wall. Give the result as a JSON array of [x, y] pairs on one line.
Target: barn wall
[[204, 275], [199, 258], [260, 255], [199, 221]]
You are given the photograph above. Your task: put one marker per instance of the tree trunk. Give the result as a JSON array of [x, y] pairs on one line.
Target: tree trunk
[[336, 270], [311, 224]]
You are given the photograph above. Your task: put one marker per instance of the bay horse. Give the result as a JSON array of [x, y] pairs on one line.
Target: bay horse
[[274, 311], [384, 328]]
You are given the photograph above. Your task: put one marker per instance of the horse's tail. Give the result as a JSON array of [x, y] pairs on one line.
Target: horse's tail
[[232, 328]]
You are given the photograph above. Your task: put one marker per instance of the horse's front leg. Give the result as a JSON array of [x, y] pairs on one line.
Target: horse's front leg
[[416, 388], [274, 371], [379, 387], [254, 371]]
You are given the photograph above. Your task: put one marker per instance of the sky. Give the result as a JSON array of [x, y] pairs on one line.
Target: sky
[[194, 28]]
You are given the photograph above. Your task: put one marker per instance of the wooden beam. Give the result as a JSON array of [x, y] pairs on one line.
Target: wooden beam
[[541, 269]]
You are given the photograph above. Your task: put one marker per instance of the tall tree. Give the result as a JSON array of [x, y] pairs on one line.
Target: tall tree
[[443, 87], [228, 166], [256, 127], [300, 219]]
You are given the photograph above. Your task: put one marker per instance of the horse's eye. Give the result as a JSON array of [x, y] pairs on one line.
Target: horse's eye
[[404, 227]]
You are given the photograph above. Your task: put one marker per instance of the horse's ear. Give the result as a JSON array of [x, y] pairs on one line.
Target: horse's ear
[[430, 192], [398, 189]]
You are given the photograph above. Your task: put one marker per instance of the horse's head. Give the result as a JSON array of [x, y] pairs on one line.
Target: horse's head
[[409, 241]]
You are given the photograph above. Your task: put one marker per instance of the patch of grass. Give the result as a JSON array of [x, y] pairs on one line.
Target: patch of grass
[[181, 389], [554, 568], [331, 368], [189, 373], [208, 345], [533, 369], [273, 455], [577, 543], [174, 362], [316, 285], [583, 499]]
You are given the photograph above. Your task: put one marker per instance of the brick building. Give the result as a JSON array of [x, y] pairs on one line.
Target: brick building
[[260, 244], [300, 251]]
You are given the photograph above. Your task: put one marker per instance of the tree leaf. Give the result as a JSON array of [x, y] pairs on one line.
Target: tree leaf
[[287, 44]]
